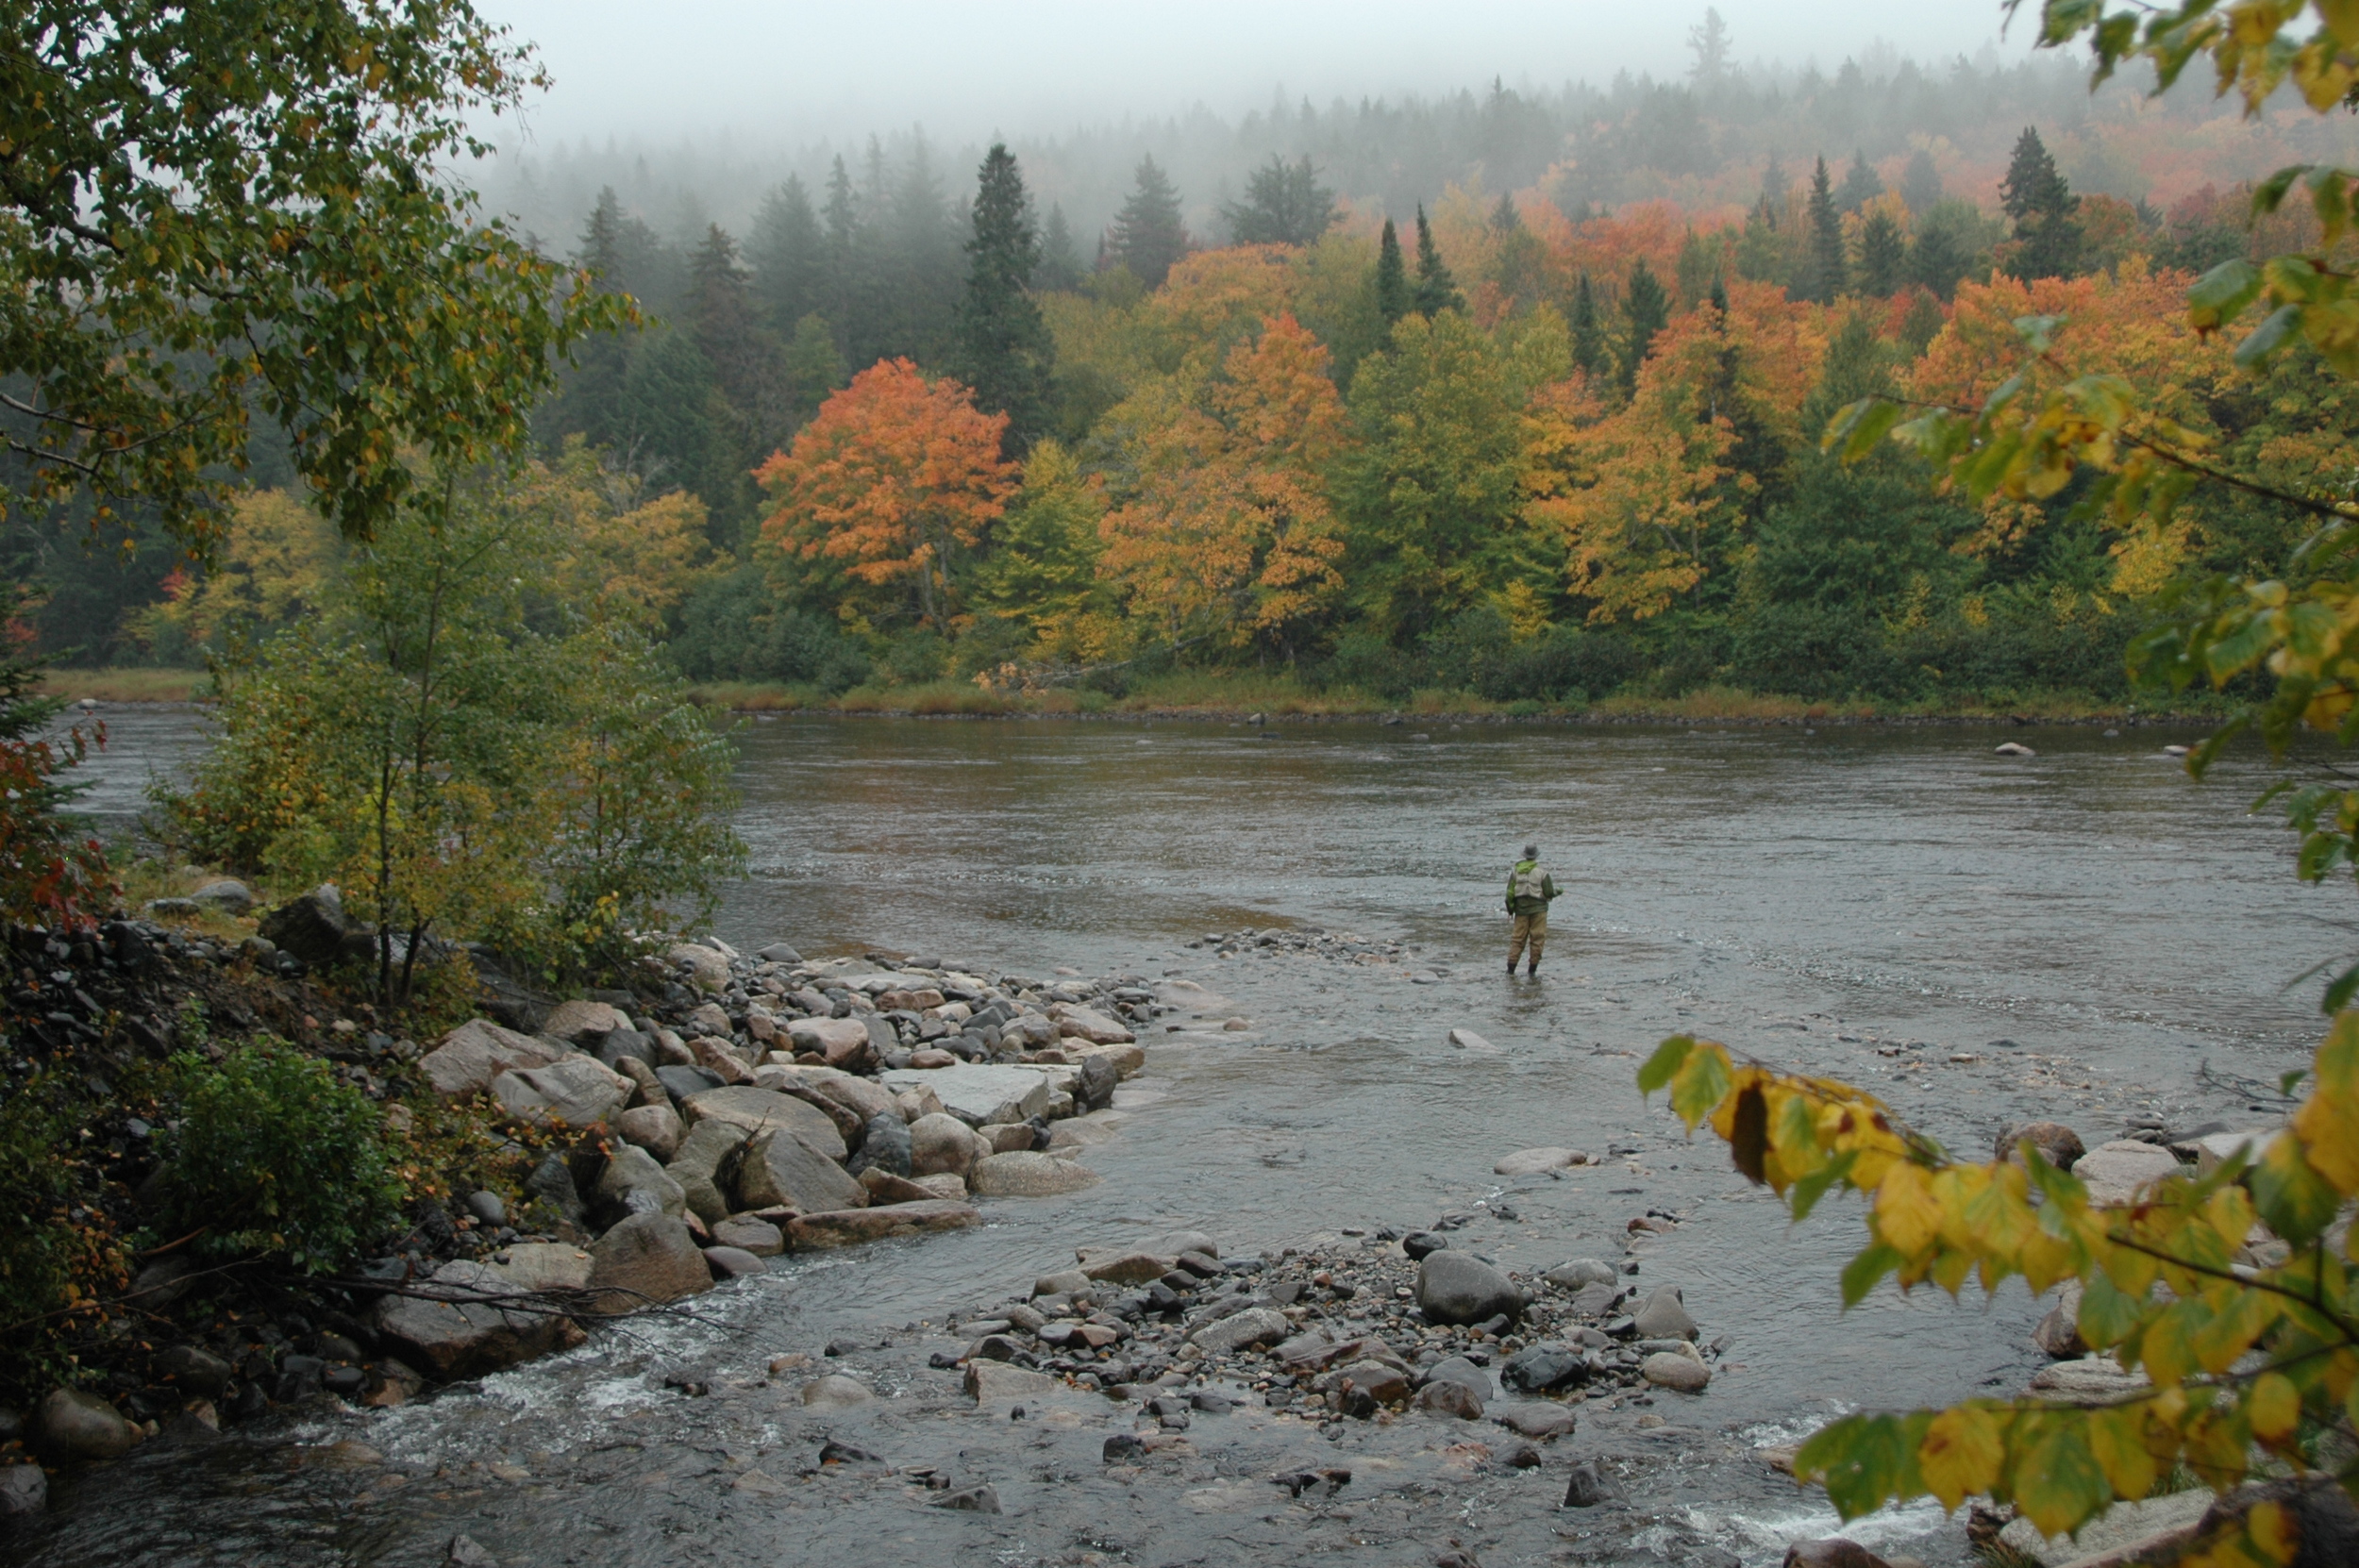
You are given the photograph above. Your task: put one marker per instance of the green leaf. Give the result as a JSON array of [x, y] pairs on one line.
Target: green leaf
[[2271, 191], [1805, 1194], [2270, 336], [2292, 1198], [1703, 1081], [1665, 1062], [2221, 295], [1862, 1273], [2108, 1313], [1859, 427], [2054, 1476], [1861, 1460]]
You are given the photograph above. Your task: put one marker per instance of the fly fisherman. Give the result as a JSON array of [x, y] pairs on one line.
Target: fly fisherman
[[1529, 891]]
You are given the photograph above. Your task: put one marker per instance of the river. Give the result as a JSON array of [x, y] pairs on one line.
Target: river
[[2077, 934]]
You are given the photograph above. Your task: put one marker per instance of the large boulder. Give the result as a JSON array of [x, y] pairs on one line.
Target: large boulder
[[780, 1170], [653, 1127], [456, 1326], [2057, 1144], [706, 1167], [829, 1037], [979, 1094], [1027, 1174], [71, 1426], [227, 894], [941, 1144], [1088, 1023], [630, 1170], [759, 1109], [576, 1021], [885, 1145], [472, 1055], [314, 928], [649, 1258], [542, 1266], [864, 1097], [851, 1227], [1664, 1316], [707, 969], [1667, 1369], [1093, 1084], [2113, 1173], [574, 1091], [1457, 1287]]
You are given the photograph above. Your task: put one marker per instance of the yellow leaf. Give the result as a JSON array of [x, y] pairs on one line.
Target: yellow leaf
[[2273, 1408], [2274, 1531], [1960, 1453], [1907, 1216], [2119, 1439]]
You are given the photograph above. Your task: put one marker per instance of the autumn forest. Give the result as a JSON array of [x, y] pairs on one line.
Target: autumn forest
[[1513, 399]]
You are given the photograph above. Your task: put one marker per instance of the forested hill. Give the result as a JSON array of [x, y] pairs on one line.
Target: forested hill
[[1511, 394]]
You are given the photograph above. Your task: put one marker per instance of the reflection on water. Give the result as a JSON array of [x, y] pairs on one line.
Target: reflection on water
[[2087, 926]]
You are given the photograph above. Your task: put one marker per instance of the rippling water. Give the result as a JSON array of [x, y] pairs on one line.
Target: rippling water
[[2088, 926]]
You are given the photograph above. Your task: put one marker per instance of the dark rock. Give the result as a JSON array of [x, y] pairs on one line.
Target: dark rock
[[681, 1082], [298, 1378], [996, 1347], [884, 1144], [69, 1424], [619, 1046], [1094, 1088], [732, 1263], [1523, 1456], [1541, 1367], [833, 1452], [1447, 1396], [778, 952], [552, 1182], [454, 1328], [2059, 1332], [248, 1404], [24, 1491], [1210, 1402], [1122, 1448], [970, 1499], [1832, 1552], [159, 1284], [198, 1371], [345, 1382], [313, 928], [649, 1258], [2057, 1144], [1587, 1487], [1454, 1286], [487, 1207], [465, 1553], [1418, 1242]]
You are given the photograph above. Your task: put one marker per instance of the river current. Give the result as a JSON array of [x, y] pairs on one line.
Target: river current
[[2084, 934]]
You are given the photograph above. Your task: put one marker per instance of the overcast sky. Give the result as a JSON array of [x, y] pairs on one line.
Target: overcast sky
[[796, 70]]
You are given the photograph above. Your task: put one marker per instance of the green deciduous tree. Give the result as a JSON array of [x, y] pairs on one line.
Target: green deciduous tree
[[227, 206], [1004, 352]]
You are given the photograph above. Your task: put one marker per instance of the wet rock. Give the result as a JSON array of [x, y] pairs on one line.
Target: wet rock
[[653, 1127], [1127, 1268], [1538, 1368], [885, 1188], [758, 1110], [465, 1553], [732, 1263], [542, 1266], [630, 1170], [1587, 1486], [1537, 1419], [1094, 1089], [835, 1392], [749, 1234], [1535, 1161], [852, 1226], [24, 1491], [886, 1146], [647, 1258], [1075, 1022], [1668, 1370], [2058, 1334], [71, 1427], [780, 1170], [970, 1499], [705, 1165], [1835, 1552], [574, 1091], [193, 1370], [1229, 1335], [988, 1382], [1418, 1243], [1381, 1381], [979, 1094], [477, 1052], [455, 1326], [1580, 1272], [1664, 1316], [1457, 1369], [2057, 1144], [1031, 1175], [1449, 1398], [1006, 1138], [680, 1080], [1455, 1286], [2115, 1171], [1466, 1040], [312, 928], [574, 1022], [1122, 1448]]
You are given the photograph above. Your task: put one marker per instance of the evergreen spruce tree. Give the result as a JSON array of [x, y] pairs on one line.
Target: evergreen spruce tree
[[1284, 204], [787, 256], [1436, 290], [1148, 234], [1059, 268], [1936, 260], [1859, 186], [591, 401], [1823, 273], [926, 245], [1588, 331], [840, 288], [1393, 300], [1774, 187], [1720, 299], [1920, 186], [1003, 345], [2046, 238], [1883, 256], [1645, 311], [1520, 261]]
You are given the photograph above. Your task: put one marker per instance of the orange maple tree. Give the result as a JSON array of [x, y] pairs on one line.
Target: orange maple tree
[[890, 483], [1228, 531]]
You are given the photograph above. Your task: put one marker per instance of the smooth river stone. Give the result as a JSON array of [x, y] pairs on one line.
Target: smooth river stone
[[1533, 1161], [977, 1093], [852, 1226], [758, 1110]]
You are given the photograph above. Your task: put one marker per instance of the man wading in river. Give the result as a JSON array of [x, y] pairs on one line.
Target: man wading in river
[[1529, 890]]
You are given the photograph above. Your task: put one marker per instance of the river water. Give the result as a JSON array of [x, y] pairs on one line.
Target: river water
[[2084, 934]]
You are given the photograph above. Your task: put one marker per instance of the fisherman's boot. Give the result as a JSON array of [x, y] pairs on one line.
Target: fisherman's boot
[[1531, 969]]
